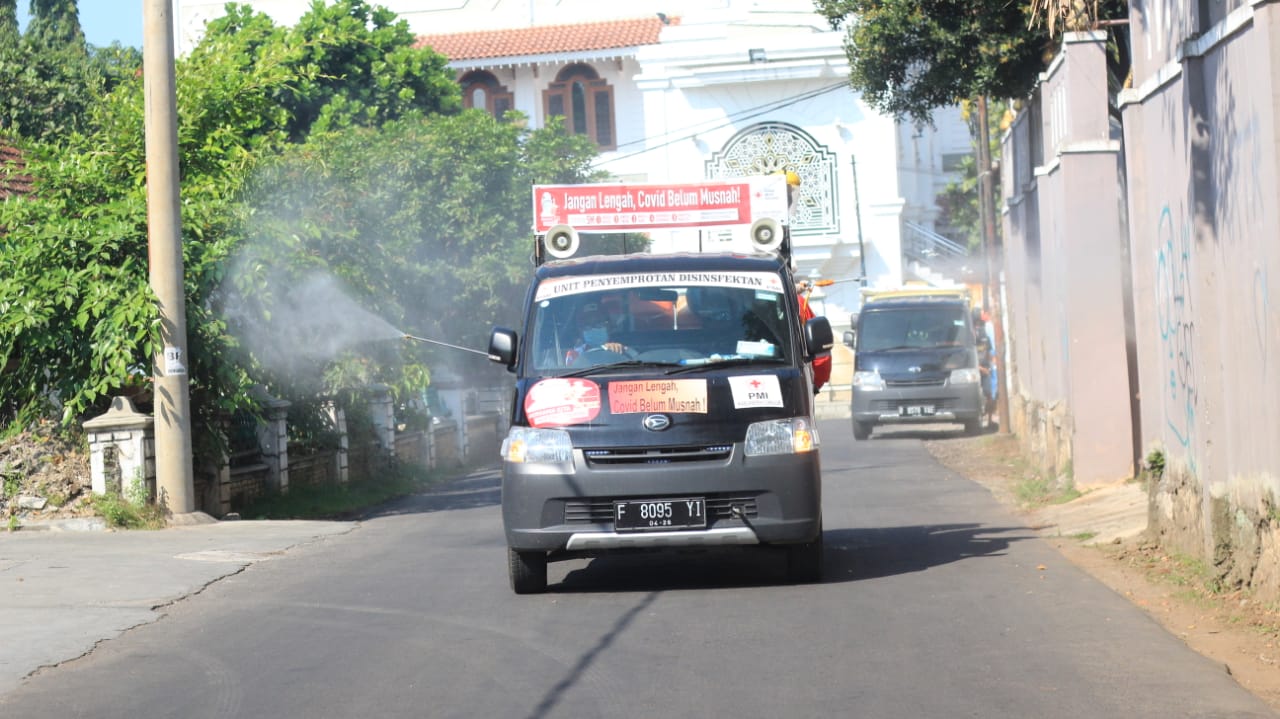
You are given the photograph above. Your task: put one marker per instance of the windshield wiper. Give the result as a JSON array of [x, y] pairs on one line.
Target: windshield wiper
[[727, 362], [624, 364]]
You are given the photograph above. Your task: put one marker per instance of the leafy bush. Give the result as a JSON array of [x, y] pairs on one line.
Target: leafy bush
[[1155, 463], [122, 513]]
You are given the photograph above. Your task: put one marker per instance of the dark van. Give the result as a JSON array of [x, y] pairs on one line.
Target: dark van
[[915, 361], [661, 401]]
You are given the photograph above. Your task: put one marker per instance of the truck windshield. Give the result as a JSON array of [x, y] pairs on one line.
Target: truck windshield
[[913, 328], [671, 324]]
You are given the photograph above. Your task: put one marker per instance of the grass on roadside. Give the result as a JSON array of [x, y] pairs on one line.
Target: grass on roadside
[[346, 500], [120, 513], [1039, 491], [1194, 581]]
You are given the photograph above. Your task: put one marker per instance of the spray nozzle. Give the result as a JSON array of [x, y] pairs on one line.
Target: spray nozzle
[[408, 336]]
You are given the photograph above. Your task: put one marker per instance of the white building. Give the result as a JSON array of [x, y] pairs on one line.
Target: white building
[[695, 89]]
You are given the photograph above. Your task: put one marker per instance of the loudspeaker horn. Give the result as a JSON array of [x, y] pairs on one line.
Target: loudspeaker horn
[[561, 242], [766, 234]]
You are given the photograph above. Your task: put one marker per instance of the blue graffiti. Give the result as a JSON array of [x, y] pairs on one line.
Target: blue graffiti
[[1176, 326]]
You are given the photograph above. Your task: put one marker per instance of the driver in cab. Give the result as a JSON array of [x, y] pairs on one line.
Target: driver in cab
[[593, 335]]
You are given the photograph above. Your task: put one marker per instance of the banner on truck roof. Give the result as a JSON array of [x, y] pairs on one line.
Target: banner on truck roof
[[639, 207]]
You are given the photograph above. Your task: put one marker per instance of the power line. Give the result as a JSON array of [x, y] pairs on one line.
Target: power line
[[746, 114], [773, 104]]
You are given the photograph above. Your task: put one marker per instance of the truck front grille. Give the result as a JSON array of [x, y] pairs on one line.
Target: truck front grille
[[915, 382], [657, 455], [940, 404]]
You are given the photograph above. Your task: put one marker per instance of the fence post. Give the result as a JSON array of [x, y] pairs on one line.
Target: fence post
[[273, 439], [339, 418], [127, 434], [382, 412]]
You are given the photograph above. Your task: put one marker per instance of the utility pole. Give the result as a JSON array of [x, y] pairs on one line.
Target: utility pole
[[857, 211], [986, 200], [175, 488]]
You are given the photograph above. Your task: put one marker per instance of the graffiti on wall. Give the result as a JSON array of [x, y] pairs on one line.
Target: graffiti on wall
[[1176, 326]]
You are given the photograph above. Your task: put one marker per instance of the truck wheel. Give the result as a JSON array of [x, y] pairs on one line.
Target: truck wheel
[[973, 427], [528, 571], [804, 561], [861, 430]]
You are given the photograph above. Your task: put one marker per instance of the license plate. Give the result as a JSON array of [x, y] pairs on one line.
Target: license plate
[[917, 410], [639, 515]]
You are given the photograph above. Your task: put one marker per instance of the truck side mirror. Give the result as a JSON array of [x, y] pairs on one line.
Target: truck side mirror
[[502, 347], [849, 338], [817, 336]]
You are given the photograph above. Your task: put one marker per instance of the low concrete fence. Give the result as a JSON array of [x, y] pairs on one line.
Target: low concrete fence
[[121, 441]]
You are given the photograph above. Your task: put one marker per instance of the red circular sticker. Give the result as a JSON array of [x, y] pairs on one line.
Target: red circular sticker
[[561, 401]]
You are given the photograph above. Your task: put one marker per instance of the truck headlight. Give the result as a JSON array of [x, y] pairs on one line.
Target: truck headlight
[[868, 381], [781, 436], [526, 445], [966, 376]]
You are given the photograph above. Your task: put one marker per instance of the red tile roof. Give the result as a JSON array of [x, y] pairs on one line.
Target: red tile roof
[[13, 178], [547, 39]]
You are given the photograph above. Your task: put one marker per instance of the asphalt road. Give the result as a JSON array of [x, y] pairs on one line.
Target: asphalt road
[[937, 603]]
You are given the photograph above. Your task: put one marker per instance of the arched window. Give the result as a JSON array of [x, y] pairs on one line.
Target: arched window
[[771, 146], [586, 103], [482, 91]]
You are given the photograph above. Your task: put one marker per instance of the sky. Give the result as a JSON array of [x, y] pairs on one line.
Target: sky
[[103, 21]]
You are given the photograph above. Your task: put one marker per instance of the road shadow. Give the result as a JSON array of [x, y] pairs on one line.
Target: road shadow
[[857, 554], [850, 555], [677, 570], [927, 432], [481, 488]]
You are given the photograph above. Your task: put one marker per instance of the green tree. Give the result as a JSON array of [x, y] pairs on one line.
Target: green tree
[[77, 317], [420, 213], [49, 77], [55, 24], [958, 201], [909, 57], [8, 22], [1068, 15], [353, 64]]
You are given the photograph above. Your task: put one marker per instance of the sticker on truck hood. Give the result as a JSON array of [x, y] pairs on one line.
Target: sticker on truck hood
[[561, 401], [666, 395], [757, 390]]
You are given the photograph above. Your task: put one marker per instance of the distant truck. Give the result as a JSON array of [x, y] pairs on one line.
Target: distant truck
[[661, 401], [915, 360]]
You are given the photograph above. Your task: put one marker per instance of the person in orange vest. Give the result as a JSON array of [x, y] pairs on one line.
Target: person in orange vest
[[821, 363]]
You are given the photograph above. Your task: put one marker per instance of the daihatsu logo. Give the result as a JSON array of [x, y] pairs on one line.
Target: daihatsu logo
[[657, 422], [916, 369]]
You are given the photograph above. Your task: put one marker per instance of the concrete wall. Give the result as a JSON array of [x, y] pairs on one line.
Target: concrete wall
[[1200, 132], [1065, 273], [1175, 293]]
